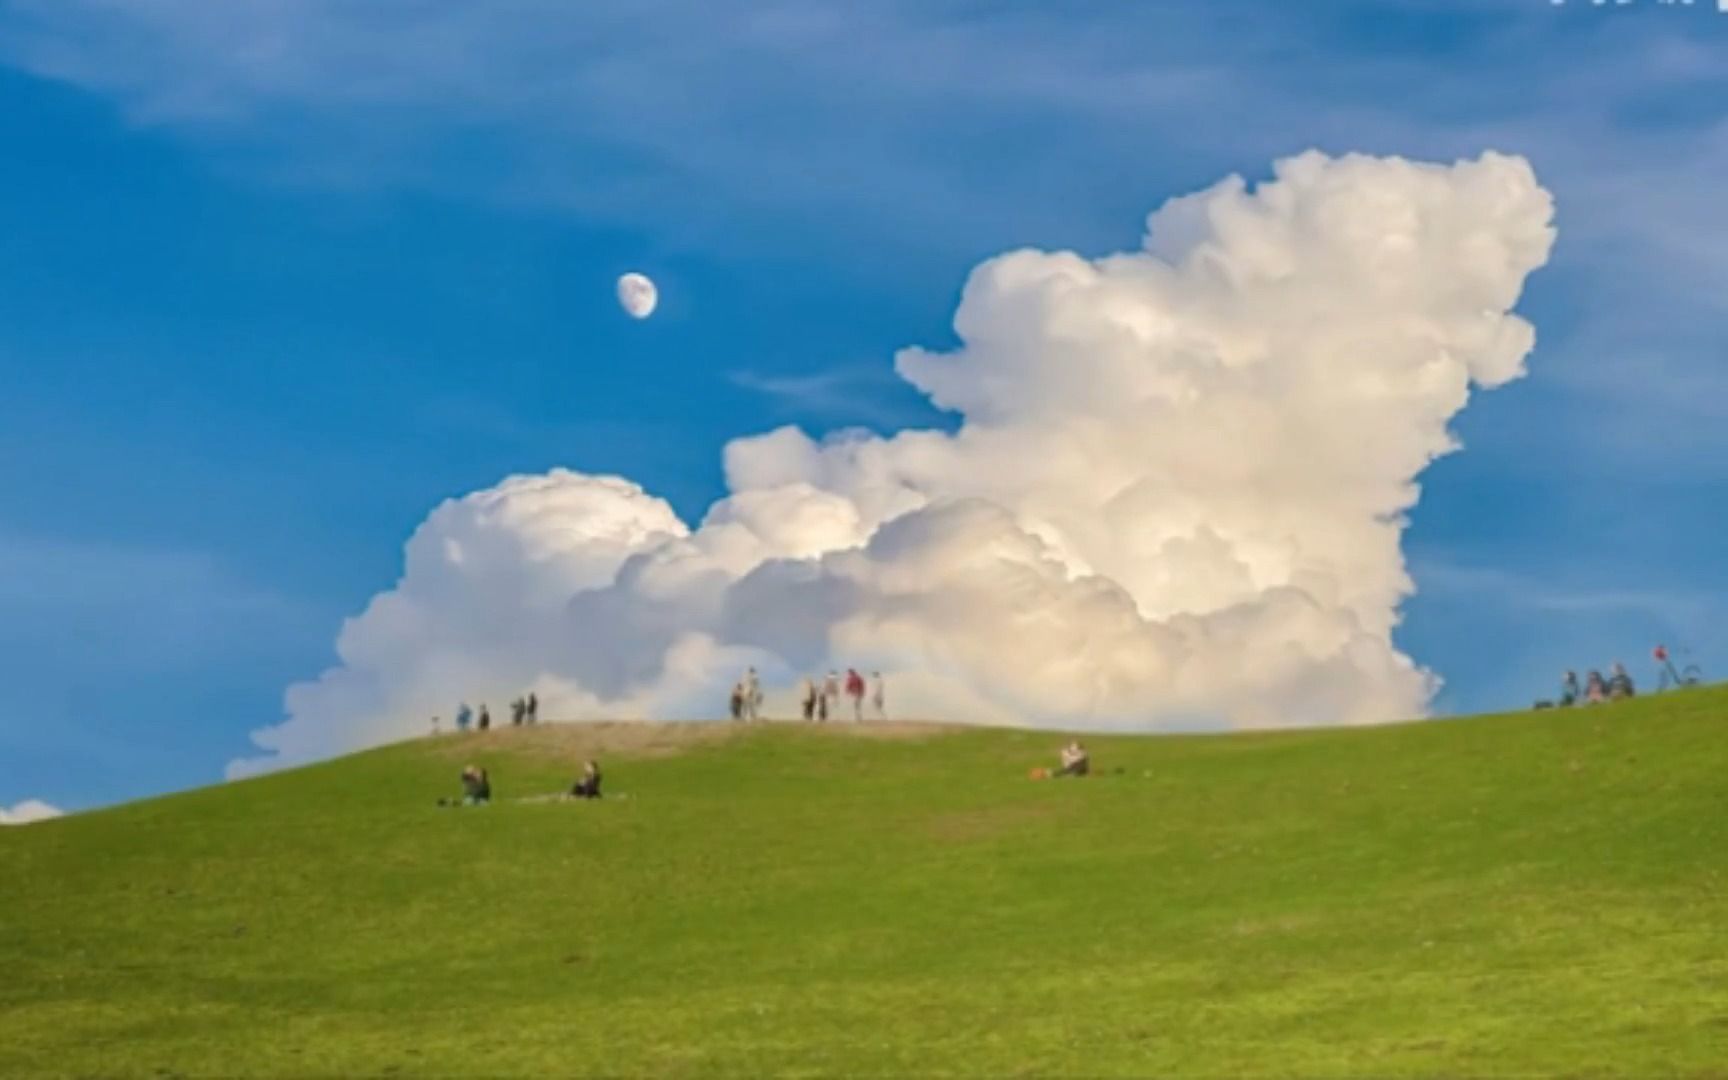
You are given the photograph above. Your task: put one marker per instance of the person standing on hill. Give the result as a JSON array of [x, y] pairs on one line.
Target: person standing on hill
[[830, 693], [1666, 675], [533, 708], [1619, 683], [752, 695], [518, 709], [485, 717], [878, 695], [807, 698], [464, 717], [855, 691]]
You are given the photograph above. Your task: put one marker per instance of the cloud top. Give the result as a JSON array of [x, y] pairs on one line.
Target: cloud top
[[1175, 497]]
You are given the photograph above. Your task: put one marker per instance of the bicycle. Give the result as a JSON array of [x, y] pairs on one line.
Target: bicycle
[[1670, 677]]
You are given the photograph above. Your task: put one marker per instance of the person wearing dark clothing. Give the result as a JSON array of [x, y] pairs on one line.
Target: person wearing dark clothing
[[533, 709], [1620, 683], [587, 785], [476, 788], [485, 718]]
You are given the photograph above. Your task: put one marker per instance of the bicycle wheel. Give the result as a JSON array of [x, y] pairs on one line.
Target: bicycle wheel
[[1691, 675]]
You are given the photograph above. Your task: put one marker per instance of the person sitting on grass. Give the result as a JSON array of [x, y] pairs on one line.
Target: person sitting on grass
[[1595, 689], [587, 785], [476, 788], [1620, 683], [1075, 760]]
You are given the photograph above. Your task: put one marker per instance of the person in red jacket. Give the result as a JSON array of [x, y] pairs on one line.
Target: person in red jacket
[[1666, 676], [855, 691]]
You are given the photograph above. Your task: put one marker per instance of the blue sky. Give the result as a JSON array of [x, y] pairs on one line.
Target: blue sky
[[277, 277]]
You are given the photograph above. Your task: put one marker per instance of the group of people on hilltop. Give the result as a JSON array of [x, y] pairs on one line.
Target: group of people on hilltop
[[821, 700], [1617, 685], [523, 710], [746, 703], [1596, 689], [818, 699]]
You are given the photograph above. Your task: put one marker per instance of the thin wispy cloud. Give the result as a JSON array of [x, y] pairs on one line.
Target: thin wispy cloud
[[856, 394], [147, 608], [721, 120], [775, 110], [1566, 594]]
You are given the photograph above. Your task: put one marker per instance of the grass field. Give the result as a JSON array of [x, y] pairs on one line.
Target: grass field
[[1526, 894]]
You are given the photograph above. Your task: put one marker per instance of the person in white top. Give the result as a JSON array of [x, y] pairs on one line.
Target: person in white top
[[1075, 760], [752, 695], [830, 694]]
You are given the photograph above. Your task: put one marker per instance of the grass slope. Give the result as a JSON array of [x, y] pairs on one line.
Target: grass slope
[[1539, 893]]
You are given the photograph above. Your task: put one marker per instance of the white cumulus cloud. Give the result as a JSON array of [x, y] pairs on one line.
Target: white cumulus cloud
[[1175, 497], [28, 811]]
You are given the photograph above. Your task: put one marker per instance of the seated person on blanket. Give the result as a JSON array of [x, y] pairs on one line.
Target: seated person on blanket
[[1075, 761], [587, 785], [476, 788]]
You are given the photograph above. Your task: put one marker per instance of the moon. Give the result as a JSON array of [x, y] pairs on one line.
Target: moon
[[637, 295]]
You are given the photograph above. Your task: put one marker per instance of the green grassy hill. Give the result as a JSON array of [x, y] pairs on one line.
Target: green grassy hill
[[1535, 893]]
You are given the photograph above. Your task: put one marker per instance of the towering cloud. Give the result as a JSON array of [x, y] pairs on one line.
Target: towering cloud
[[1175, 498]]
